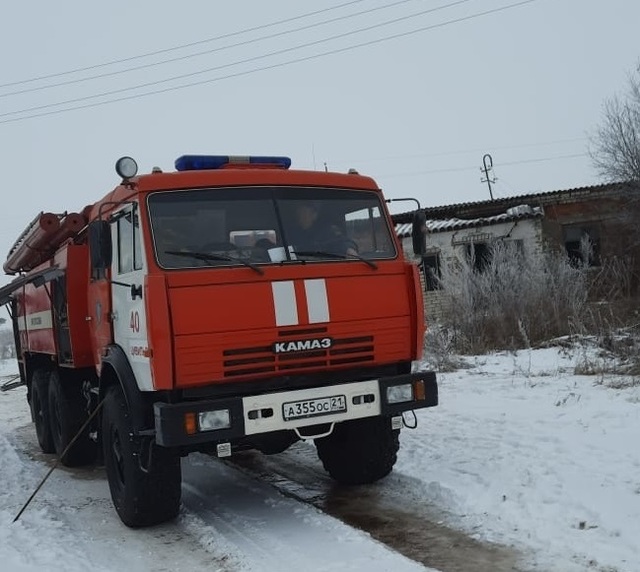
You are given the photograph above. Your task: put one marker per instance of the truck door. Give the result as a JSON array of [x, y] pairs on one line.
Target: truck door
[[99, 314], [128, 272]]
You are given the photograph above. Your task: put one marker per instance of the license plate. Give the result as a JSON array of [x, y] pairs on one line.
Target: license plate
[[314, 407]]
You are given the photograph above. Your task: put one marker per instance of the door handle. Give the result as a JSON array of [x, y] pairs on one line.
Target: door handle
[[136, 291]]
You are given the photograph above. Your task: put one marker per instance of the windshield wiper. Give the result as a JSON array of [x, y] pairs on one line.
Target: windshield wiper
[[208, 257], [322, 253]]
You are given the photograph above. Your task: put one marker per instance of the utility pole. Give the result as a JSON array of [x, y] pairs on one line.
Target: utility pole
[[487, 167]]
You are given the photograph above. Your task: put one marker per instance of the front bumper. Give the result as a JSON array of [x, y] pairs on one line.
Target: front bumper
[[265, 413]]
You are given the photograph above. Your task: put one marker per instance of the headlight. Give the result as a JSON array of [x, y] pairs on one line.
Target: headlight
[[399, 393], [213, 420]]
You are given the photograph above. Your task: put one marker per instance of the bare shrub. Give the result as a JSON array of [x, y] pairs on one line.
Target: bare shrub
[[516, 301], [622, 382], [439, 349], [616, 348], [613, 279]]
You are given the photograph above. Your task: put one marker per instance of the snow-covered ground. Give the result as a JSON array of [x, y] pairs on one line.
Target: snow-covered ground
[[523, 451], [520, 452]]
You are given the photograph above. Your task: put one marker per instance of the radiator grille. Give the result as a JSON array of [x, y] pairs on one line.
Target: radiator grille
[[250, 360]]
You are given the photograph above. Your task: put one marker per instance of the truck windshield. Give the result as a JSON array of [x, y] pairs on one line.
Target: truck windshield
[[267, 225]]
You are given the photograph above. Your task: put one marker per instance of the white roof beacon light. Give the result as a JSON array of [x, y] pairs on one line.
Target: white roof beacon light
[[126, 167]]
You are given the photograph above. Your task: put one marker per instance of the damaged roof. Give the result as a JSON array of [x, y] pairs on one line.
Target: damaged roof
[[519, 212], [474, 211]]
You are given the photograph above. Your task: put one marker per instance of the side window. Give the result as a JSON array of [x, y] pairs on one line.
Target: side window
[[129, 242], [125, 244], [517, 247], [137, 241], [432, 274], [582, 244], [479, 255]]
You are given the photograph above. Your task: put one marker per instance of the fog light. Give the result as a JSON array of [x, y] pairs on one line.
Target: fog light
[[212, 420], [399, 393]]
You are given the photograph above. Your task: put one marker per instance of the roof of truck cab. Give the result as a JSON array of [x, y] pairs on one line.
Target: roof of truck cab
[[248, 176], [231, 177]]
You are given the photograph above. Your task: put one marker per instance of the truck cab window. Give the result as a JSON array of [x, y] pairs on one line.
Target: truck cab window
[[129, 244], [125, 246], [137, 241], [262, 225]]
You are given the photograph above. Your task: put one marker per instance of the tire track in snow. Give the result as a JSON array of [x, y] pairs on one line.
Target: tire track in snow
[[394, 511], [276, 533]]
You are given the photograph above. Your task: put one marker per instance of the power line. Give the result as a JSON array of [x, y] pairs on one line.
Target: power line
[[230, 64], [352, 161], [475, 167], [182, 46], [245, 72], [214, 50], [544, 159]]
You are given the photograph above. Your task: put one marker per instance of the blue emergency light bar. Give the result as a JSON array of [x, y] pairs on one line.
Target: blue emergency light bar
[[200, 162]]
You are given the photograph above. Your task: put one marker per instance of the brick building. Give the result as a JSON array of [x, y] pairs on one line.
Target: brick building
[[606, 216]]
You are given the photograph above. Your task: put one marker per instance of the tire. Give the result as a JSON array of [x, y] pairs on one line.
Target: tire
[[40, 410], [361, 451], [67, 413], [140, 497]]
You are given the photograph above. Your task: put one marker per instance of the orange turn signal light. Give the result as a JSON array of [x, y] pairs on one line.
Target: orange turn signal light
[[419, 393], [190, 425]]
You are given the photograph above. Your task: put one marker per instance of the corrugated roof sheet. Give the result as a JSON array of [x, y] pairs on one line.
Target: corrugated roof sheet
[[521, 212], [488, 208]]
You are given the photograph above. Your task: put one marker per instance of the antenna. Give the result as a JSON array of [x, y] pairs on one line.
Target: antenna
[[487, 167]]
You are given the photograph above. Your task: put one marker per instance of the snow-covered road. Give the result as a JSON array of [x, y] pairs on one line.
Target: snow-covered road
[[229, 521], [520, 452]]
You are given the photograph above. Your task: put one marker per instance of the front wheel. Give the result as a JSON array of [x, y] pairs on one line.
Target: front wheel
[[361, 451], [144, 479]]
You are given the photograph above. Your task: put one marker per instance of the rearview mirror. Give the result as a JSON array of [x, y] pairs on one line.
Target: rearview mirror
[[100, 244], [419, 233]]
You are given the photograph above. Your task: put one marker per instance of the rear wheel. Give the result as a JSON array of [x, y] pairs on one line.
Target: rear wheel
[[141, 496], [67, 413], [361, 451], [40, 410]]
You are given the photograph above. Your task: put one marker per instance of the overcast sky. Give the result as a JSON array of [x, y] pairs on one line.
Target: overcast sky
[[413, 93]]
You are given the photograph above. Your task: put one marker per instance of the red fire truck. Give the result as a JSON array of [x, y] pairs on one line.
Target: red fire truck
[[186, 311]]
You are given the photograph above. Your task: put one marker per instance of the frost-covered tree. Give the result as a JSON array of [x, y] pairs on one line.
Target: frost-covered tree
[[615, 145]]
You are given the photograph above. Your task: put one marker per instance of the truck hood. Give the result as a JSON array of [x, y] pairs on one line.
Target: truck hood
[[253, 326]]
